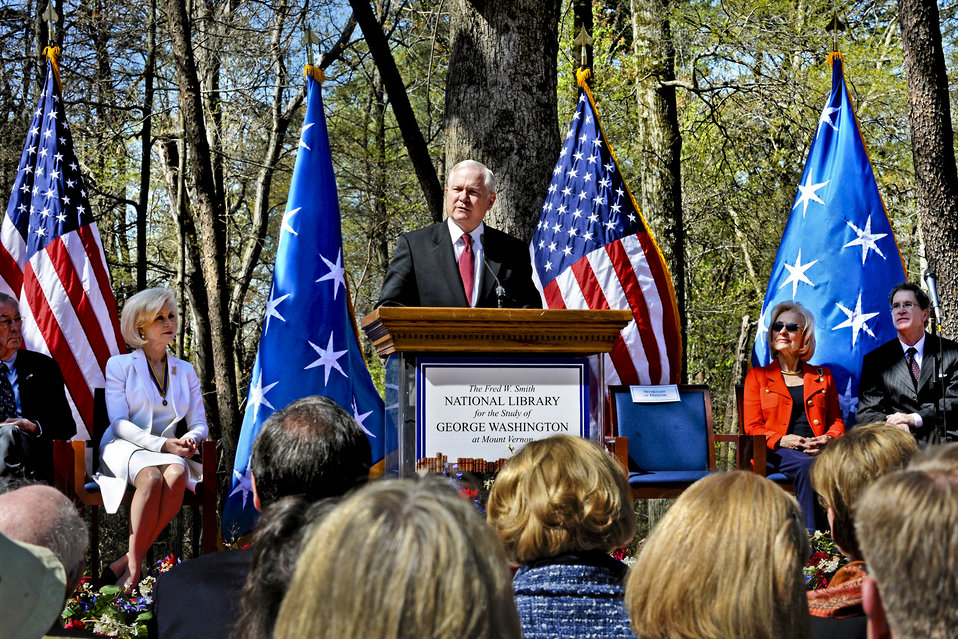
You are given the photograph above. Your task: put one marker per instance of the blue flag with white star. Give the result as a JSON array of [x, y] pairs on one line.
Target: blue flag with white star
[[838, 255], [308, 345]]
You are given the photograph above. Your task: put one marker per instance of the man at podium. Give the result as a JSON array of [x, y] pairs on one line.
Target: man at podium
[[461, 262]]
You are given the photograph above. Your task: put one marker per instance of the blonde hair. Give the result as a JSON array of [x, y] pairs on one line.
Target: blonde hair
[[401, 558], [560, 494], [725, 561], [808, 329], [849, 464], [907, 525], [140, 309]]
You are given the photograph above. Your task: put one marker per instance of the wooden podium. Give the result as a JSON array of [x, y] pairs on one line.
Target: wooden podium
[[406, 335]]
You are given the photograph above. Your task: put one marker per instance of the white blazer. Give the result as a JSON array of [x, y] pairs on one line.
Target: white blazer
[[130, 408]]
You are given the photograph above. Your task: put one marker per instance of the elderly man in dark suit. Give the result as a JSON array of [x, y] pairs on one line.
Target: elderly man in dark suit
[[898, 383], [461, 262], [33, 404]]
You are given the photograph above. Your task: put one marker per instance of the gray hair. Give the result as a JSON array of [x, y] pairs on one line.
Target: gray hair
[[488, 177]]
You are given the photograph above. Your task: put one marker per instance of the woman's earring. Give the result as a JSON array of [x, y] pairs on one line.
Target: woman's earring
[[142, 335]]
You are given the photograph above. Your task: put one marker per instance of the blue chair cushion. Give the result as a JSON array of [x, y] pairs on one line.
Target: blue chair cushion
[[779, 478], [91, 487], [667, 476], [665, 436]]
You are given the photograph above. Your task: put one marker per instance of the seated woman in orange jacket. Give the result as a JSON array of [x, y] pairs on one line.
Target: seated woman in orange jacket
[[795, 405]]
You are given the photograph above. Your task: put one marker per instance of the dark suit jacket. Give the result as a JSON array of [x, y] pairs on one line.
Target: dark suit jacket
[[423, 271], [43, 400], [200, 597], [887, 387]]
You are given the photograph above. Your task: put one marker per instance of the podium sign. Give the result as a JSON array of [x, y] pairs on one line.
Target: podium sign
[[487, 409], [552, 361]]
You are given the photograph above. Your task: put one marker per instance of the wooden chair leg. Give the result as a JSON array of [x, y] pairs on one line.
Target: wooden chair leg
[[95, 541]]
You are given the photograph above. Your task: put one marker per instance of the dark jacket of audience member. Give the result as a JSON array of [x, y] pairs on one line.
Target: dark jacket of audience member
[[277, 542], [559, 507], [314, 448]]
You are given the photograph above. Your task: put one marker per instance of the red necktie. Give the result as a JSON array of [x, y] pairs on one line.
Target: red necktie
[[913, 363], [467, 266]]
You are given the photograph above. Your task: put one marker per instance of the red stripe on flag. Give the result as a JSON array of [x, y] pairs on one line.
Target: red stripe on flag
[[70, 280], [595, 298], [670, 319], [10, 271], [94, 249], [553, 295], [632, 289], [57, 343]]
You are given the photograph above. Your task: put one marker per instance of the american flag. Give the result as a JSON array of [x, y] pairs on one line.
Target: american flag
[[593, 250], [308, 345], [51, 258], [838, 255]]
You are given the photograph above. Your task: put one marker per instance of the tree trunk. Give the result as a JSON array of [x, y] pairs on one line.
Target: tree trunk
[[211, 224], [146, 147], [936, 178], [661, 140], [501, 101]]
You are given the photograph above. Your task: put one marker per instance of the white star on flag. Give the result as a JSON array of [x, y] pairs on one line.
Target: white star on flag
[[336, 273], [302, 136], [856, 320], [328, 358], [807, 191], [361, 418], [243, 483], [827, 119], [257, 394], [272, 312], [287, 216], [796, 273], [866, 239]]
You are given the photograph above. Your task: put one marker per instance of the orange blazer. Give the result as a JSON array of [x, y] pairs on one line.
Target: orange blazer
[[768, 404]]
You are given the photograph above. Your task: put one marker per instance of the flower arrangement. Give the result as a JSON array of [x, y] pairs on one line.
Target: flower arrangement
[[110, 612], [825, 561]]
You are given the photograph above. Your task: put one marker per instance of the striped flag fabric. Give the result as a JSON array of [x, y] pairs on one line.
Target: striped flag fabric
[[592, 249], [838, 256], [308, 345], [52, 260]]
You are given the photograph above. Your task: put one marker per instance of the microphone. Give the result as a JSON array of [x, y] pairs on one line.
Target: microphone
[[931, 283], [500, 289]]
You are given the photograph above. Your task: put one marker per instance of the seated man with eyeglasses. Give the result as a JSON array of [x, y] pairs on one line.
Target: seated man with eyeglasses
[[898, 383], [33, 404]]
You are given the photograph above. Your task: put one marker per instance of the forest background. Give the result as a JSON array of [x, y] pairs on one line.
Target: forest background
[[186, 114]]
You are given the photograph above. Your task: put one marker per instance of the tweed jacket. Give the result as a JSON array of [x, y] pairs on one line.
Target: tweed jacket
[[576, 596]]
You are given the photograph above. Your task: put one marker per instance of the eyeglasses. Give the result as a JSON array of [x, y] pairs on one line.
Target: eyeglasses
[[904, 305], [9, 321], [791, 327]]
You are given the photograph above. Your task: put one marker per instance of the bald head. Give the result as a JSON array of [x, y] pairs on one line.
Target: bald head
[[43, 516]]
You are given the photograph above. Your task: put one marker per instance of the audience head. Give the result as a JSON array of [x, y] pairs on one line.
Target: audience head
[[560, 494], [32, 586], [43, 516], [312, 447], [277, 542], [849, 464], [807, 328], [401, 558], [141, 309], [725, 561], [907, 526]]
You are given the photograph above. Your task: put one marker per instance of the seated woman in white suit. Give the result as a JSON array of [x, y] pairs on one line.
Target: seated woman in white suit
[[149, 394]]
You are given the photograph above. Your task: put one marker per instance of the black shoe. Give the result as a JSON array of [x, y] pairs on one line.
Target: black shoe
[[108, 577]]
